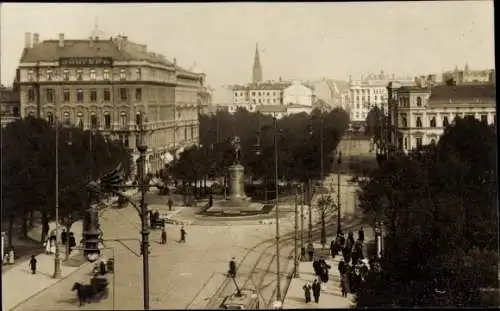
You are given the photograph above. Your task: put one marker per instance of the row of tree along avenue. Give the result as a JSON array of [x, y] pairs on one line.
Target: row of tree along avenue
[[438, 206], [29, 171], [298, 139]]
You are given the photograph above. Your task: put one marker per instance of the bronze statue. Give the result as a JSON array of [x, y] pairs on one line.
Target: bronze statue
[[237, 149]]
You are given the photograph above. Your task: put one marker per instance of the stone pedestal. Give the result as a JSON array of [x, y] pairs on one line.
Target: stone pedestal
[[236, 182]]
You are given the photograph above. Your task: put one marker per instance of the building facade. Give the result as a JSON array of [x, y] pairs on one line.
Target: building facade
[[252, 95], [298, 94], [369, 92], [111, 85], [9, 102], [424, 113]]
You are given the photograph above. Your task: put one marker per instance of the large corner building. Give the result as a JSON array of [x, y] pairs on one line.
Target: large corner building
[[107, 85]]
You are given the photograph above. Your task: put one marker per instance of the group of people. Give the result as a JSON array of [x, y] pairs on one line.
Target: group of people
[[67, 238], [352, 267], [315, 288]]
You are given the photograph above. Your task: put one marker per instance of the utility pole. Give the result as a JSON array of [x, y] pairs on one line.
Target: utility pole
[[309, 191], [321, 148], [296, 257], [339, 204], [57, 257], [302, 201], [142, 147], [278, 285]]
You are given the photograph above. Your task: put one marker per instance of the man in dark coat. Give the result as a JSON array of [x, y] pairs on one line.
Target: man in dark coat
[[333, 248], [316, 289], [64, 236], [183, 235], [170, 203], [211, 200], [307, 292], [72, 241], [310, 251], [33, 264], [342, 267], [232, 268], [361, 235], [317, 267]]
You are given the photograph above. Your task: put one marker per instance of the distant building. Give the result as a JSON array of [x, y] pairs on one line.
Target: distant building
[[298, 94], [369, 92], [424, 113], [333, 92], [257, 67], [468, 76], [10, 104], [109, 84], [250, 96]]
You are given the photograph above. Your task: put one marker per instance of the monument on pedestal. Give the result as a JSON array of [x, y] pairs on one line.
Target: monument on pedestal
[[238, 202]]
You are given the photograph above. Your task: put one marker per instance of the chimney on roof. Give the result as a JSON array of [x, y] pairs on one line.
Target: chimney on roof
[[61, 40], [175, 61], [27, 40], [36, 39]]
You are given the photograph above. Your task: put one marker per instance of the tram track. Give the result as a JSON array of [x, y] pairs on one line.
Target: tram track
[[286, 240]]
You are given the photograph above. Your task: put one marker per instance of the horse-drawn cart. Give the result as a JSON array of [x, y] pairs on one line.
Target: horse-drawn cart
[[97, 290]]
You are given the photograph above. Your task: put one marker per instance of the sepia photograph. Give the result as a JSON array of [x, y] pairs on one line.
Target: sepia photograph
[[248, 155]]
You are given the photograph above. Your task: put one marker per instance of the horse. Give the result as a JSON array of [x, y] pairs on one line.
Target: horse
[[84, 292]]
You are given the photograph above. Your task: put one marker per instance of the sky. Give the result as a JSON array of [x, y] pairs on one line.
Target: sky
[[296, 40]]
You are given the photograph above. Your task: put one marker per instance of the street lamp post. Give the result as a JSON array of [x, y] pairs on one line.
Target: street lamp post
[[142, 148], [57, 257], [295, 249], [302, 201], [339, 204]]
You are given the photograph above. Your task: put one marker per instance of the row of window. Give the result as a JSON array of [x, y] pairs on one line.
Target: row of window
[[405, 101], [367, 91], [432, 121], [256, 93], [51, 74], [50, 95], [94, 123]]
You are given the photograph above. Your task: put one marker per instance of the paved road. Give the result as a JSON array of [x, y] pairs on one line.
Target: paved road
[[179, 272]]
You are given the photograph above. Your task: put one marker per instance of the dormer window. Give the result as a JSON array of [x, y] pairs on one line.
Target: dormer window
[[30, 75], [49, 75], [79, 75], [106, 74], [66, 75], [123, 74], [92, 74]]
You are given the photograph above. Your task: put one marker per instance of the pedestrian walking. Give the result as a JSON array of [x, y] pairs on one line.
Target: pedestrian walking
[[163, 236], [170, 203], [316, 267], [307, 292], [333, 248], [310, 250], [33, 264], [361, 235], [183, 235], [232, 268], [342, 266], [343, 285], [64, 236], [211, 200], [316, 289], [72, 241]]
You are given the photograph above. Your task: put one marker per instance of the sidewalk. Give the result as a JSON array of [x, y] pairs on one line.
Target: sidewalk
[[331, 297], [18, 284]]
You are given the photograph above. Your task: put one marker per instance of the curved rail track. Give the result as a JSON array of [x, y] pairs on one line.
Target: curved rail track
[[261, 268]]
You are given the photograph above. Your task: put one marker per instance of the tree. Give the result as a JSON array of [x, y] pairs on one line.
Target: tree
[[441, 213], [325, 204], [28, 167]]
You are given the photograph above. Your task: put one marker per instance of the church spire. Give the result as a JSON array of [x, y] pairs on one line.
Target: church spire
[[257, 69]]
